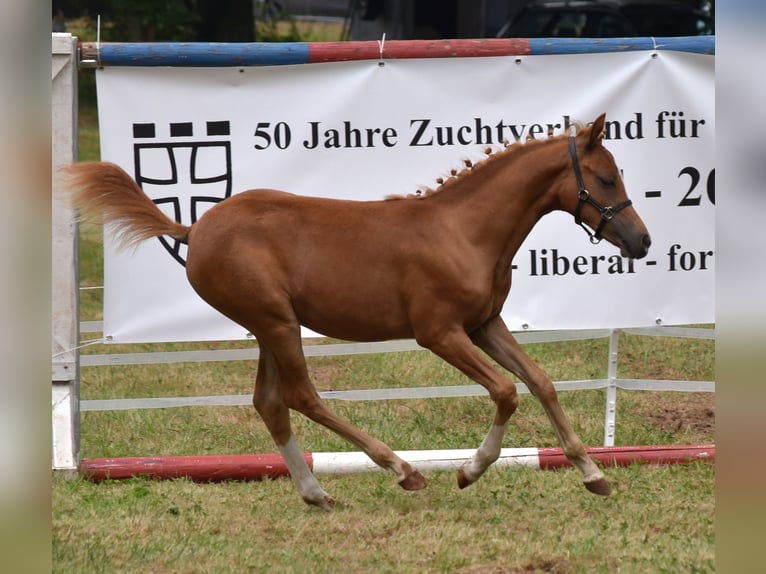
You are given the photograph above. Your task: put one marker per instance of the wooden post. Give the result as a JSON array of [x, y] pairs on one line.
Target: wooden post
[[65, 277]]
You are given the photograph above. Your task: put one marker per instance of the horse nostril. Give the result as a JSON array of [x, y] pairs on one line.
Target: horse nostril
[[646, 241]]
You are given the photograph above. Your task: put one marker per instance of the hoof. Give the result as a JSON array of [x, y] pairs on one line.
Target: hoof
[[599, 486], [413, 481], [326, 503], [462, 479]]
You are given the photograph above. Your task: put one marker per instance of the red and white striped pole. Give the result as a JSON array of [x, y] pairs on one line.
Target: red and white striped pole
[[217, 468]]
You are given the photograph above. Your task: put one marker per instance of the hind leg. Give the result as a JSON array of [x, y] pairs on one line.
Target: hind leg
[[298, 393], [267, 400]]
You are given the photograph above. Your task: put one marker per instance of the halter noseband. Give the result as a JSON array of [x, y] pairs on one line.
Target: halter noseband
[[607, 212]]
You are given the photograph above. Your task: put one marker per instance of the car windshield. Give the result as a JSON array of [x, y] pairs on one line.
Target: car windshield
[[570, 24], [659, 20], [607, 20]]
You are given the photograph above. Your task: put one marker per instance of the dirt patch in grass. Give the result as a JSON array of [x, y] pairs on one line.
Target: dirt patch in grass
[[547, 565], [688, 412]]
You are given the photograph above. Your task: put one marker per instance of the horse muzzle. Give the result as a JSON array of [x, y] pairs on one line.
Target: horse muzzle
[[636, 249]]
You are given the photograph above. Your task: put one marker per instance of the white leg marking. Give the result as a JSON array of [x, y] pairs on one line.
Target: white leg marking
[[486, 454], [592, 474], [305, 481]]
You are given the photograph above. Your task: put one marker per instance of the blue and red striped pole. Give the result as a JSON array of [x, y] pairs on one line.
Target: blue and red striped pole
[[212, 54]]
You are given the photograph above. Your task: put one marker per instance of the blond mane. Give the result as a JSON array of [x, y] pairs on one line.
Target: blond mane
[[493, 154]]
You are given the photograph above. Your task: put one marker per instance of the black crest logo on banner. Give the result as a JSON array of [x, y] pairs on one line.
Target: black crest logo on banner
[[184, 173]]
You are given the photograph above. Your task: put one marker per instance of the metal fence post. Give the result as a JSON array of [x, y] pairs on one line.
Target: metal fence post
[[611, 390]]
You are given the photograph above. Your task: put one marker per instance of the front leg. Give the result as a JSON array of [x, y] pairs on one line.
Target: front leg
[[497, 341], [455, 347]]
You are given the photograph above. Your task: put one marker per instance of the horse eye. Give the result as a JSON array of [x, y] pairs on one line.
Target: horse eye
[[606, 181]]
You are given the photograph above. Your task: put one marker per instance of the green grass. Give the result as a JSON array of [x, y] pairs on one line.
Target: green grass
[[660, 519]]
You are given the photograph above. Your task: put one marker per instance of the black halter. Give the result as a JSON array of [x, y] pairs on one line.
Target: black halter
[[607, 213]]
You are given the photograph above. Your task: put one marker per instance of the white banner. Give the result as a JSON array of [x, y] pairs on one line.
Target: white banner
[[192, 137]]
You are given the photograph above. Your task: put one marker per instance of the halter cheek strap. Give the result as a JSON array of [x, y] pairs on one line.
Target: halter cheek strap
[[607, 212]]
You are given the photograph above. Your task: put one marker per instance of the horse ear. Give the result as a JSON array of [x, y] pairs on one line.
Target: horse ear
[[597, 130]]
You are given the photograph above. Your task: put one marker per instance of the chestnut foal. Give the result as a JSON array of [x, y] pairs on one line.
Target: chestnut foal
[[435, 267]]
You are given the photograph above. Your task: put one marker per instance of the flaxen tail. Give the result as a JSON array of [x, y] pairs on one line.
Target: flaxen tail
[[106, 190]]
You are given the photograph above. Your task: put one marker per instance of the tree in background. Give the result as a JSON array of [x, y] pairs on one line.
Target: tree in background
[[270, 20], [225, 21], [166, 21]]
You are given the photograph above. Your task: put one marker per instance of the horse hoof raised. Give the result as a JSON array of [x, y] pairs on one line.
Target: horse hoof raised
[[599, 486], [462, 479], [413, 481]]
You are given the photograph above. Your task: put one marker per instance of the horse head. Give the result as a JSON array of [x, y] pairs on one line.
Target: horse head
[[600, 201]]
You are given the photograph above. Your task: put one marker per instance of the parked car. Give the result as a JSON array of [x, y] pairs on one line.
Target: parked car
[[607, 19], [314, 8]]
